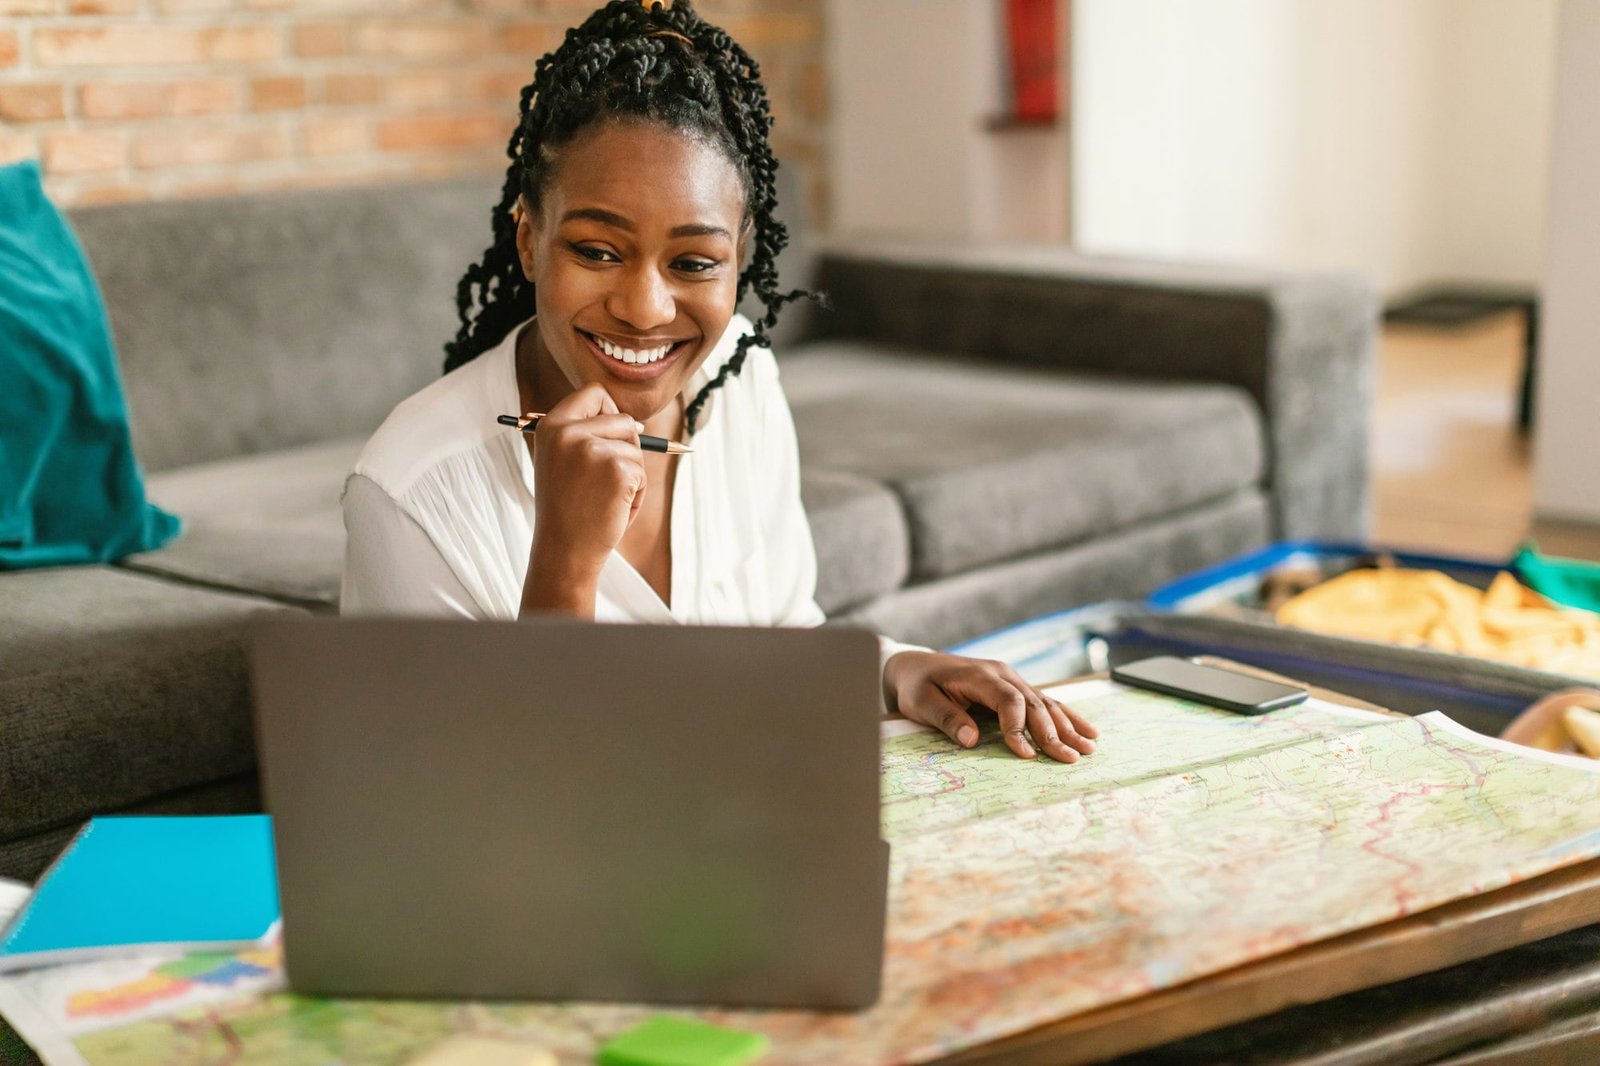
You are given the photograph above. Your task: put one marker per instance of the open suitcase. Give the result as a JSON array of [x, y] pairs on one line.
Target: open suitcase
[[1217, 611]]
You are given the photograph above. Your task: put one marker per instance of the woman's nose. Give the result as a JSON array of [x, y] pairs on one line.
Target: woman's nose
[[643, 300]]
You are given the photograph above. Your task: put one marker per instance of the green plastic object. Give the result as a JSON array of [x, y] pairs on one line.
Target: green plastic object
[[1570, 582], [665, 1041]]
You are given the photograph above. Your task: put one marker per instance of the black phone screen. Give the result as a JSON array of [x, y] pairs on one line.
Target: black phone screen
[[1212, 685]]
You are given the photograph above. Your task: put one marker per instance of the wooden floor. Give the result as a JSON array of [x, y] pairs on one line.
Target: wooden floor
[[1450, 471]]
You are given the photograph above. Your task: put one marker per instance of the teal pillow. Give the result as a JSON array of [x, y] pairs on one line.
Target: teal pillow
[[70, 489]]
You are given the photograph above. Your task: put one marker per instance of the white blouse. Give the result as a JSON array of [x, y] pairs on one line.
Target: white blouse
[[439, 507]]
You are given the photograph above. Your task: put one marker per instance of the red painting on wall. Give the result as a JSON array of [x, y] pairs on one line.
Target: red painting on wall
[[1032, 57]]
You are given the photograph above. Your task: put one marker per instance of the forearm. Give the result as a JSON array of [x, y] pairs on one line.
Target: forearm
[[558, 584]]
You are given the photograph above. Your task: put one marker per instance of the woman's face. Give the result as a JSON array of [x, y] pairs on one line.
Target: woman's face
[[634, 254]]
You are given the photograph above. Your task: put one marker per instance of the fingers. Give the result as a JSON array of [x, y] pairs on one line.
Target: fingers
[[1026, 715], [1010, 706], [1047, 731], [946, 714], [603, 449], [589, 411], [582, 403], [636, 502], [982, 683], [1079, 722], [1070, 735], [593, 406], [614, 427], [941, 688], [608, 427], [1065, 724]]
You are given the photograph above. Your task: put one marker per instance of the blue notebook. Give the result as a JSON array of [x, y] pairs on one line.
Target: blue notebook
[[133, 884]]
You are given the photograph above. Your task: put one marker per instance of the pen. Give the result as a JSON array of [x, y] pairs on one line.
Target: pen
[[527, 423]]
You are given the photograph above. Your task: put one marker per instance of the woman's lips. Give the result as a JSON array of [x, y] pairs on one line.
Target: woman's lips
[[632, 371]]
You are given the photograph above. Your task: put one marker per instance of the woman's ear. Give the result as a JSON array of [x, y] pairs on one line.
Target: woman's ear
[[527, 234]]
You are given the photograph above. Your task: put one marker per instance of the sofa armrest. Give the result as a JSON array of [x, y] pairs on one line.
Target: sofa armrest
[[1300, 343]]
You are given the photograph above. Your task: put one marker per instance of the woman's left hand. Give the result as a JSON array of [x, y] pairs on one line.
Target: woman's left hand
[[939, 690]]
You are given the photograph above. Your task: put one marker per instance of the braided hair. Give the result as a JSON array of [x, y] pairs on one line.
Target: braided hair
[[646, 61]]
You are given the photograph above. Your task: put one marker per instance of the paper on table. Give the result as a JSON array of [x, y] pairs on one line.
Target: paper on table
[[1006, 921], [930, 784], [1097, 688], [56, 1007]]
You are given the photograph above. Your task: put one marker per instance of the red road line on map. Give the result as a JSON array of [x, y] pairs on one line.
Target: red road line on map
[[213, 1023], [231, 1038], [1380, 825]]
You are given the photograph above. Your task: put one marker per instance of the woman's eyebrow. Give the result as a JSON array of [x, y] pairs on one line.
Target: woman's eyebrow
[[600, 215], [700, 229], [611, 218]]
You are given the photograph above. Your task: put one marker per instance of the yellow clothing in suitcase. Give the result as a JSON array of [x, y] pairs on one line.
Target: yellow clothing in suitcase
[[1507, 622]]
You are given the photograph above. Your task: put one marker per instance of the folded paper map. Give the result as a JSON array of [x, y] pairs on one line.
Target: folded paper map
[[1020, 892]]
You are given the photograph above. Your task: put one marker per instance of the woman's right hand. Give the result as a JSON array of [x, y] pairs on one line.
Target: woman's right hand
[[589, 480]]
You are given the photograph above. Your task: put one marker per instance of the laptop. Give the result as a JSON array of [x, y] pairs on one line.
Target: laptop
[[551, 809]]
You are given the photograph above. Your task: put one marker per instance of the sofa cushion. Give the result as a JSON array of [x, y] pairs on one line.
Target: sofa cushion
[[992, 462], [116, 688], [272, 525], [256, 322], [1126, 565], [268, 524], [860, 536]]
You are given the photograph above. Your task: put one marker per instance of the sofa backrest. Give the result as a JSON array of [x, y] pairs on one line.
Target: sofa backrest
[[257, 322]]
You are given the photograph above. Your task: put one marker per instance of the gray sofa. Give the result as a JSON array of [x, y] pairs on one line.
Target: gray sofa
[[986, 435]]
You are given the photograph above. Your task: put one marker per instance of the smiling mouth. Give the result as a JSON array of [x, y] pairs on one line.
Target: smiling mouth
[[637, 356]]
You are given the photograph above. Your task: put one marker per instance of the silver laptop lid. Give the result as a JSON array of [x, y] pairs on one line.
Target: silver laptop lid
[[560, 810]]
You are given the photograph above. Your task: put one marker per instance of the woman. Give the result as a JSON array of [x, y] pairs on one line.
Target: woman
[[637, 213]]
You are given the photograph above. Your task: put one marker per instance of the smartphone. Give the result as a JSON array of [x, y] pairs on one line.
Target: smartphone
[[1211, 685]]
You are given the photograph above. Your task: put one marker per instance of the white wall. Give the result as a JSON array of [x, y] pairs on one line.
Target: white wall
[[1496, 102], [906, 109], [913, 85], [1407, 140], [1567, 436], [1164, 162]]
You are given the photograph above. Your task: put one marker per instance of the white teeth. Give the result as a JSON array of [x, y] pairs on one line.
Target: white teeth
[[628, 355]]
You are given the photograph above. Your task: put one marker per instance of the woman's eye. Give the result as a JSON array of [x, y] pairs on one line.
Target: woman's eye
[[695, 266], [593, 254]]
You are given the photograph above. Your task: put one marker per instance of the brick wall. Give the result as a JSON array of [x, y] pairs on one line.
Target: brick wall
[[163, 99]]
